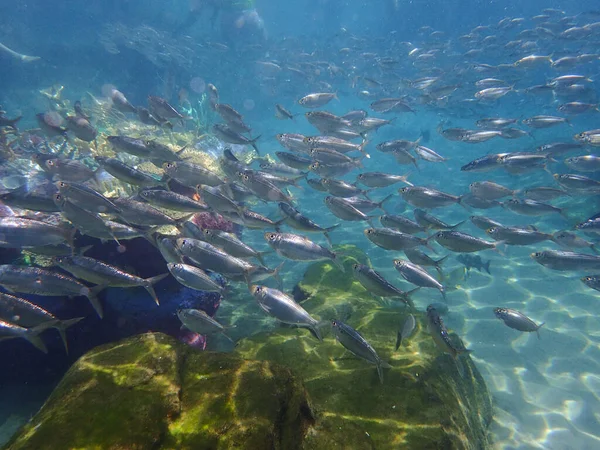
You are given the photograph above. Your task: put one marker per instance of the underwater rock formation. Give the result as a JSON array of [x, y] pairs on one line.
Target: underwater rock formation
[[152, 392], [427, 400], [281, 389]]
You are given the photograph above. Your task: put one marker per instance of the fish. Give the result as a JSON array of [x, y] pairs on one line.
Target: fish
[[19, 232], [517, 235], [33, 280], [163, 109], [517, 320], [417, 275], [101, 273], [423, 197], [126, 173], [380, 179], [10, 331], [457, 241], [376, 284], [199, 322], [194, 278], [283, 308], [282, 113], [474, 261], [390, 239], [408, 328], [23, 313], [563, 260], [358, 346], [316, 100], [441, 337], [430, 222], [225, 133], [300, 248], [171, 200], [298, 221]]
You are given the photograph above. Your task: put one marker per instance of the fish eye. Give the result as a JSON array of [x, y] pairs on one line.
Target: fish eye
[[51, 162], [355, 266], [258, 289], [57, 197], [370, 231], [207, 232], [492, 230], [62, 184], [538, 254]]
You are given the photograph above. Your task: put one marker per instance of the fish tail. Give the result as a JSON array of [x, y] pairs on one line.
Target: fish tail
[[92, 296], [338, 263], [277, 276], [62, 325], [32, 336], [537, 330], [398, 340], [326, 233], [149, 282], [316, 331], [253, 143], [380, 366]]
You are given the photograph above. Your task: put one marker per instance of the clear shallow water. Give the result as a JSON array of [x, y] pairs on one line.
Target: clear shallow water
[[545, 390]]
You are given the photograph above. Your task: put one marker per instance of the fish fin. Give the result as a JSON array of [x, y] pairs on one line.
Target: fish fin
[[398, 341], [443, 291], [380, 366], [454, 227], [316, 332], [62, 326], [92, 296], [338, 263], [230, 340], [149, 282], [486, 266], [538, 329], [380, 204], [277, 276], [32, 336], [253, 144], [326, 233]]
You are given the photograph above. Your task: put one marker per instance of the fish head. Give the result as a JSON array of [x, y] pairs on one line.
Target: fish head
[[169, 167], [272, 238], [404, 190], [537, 256], [257, 291], [58, 199], [329, 199], [500, 313], [492, 231]]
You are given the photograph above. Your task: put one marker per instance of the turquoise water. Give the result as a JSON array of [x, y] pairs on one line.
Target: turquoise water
[[545, 390]]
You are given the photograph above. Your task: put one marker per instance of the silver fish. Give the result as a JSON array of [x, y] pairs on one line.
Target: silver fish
[[358, 346], [517, 320]]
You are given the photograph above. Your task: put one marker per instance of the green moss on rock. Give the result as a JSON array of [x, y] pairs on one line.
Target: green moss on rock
[[278, 390]]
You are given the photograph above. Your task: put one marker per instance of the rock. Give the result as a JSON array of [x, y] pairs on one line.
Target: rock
[[152, 392], [427, 401]]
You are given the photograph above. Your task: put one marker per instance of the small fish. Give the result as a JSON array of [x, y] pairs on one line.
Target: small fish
[[376, 284], [194, 278], [561, 260], [283, 308], [474, 261], [437, 329], [406, 331], [299, 248], [517, 320], [417, 275], [282, 113], [199, 322], [316, 100], [225, 133], [358, 346]]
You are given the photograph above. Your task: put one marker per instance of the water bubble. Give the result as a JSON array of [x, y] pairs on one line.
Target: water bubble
[[121, 248], [198, 85], [249, 104]]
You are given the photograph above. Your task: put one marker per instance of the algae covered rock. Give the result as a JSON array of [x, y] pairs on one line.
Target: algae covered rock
[[427, 400], [152, 392]]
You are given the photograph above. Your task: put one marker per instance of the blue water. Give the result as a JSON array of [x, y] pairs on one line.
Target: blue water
[[546, 390]]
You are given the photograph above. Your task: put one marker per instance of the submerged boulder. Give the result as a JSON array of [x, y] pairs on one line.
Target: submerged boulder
[[152, 392]]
